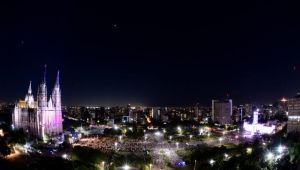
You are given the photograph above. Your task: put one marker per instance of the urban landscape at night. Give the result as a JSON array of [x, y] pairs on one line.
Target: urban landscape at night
[[145, 86]]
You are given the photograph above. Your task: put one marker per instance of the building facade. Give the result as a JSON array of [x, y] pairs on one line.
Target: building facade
[[222, 111], [293, 124], [42, 117]]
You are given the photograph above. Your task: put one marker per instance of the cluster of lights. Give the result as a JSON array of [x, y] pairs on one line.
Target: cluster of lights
[[270, 156]]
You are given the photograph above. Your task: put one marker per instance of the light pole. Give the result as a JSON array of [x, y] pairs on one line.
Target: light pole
[[116, 145], [177, 144], [220, 140], [103, 165]]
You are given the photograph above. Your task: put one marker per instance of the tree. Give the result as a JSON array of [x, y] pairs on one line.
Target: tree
[[4, 148]]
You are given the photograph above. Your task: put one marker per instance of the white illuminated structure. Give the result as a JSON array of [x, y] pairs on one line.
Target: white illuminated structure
[[42, 117], [256, 127]]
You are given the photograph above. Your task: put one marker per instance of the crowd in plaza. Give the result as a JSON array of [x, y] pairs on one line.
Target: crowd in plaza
[[109, 144]]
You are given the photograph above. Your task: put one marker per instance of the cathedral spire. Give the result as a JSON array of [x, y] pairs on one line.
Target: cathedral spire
[[57, 80], [29, 88], [45, 73]]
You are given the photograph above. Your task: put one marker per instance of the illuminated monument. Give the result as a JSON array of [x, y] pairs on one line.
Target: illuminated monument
[[42, 117], [256, 127]]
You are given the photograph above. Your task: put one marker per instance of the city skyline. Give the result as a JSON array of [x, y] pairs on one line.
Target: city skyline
[[164, 59]]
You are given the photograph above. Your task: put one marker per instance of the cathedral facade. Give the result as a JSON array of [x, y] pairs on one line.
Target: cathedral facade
[[41, 117]]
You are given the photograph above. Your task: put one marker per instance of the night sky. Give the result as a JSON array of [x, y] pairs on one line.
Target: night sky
[[162, 54]]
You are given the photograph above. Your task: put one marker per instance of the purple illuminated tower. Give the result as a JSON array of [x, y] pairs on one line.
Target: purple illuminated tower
[[43, 117]]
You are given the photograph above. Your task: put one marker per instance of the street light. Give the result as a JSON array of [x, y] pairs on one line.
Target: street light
[[201, 131], [191, 137], [126, 167], [65, 156], [177, 144], [103, 165], [211, 162], [226, 155], [270, 156], [179, 130], [280, 149], [170, 137], [157, 133], [116, 127], [150, 166], [220, 140]]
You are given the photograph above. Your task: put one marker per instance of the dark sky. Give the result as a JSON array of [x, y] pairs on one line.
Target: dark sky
[[152, 53]]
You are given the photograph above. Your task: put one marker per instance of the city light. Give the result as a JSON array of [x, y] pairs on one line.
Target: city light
[[280, 149], [1, 133], [200, 131], [256, 127], [269, 156], [157, 134], [116, 127], [179, 130], [283, 100], [249, 151], [226, 155], [126, 167], [65, 156]]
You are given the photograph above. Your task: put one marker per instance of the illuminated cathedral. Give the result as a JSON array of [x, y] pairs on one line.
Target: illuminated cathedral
[[43, 117]]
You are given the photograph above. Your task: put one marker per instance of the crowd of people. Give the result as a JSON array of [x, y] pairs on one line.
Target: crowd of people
[[109, 144]]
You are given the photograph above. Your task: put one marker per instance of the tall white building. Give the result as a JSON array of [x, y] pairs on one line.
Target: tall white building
[[293, 124], [222, 111], [42, 117]]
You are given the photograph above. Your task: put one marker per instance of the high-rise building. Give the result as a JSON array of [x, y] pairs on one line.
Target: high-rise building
[[293, 124], [43, 117], [222, 111]]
